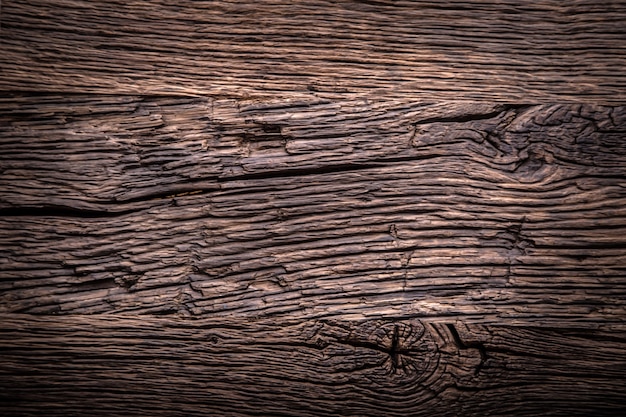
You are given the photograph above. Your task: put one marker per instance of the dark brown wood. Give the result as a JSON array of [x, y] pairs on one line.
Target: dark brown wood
[[506, 51], [301, 248], [377, 209], [312, 208], [103, 365]]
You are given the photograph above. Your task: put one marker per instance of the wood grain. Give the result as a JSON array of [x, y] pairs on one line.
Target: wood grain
[[505, 51], [365, 209], [103, 365], [312, 208]]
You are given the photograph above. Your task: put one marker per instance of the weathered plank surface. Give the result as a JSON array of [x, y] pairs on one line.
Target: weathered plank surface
[[508, 51], [361, 209], [318, 208], [104, 365]]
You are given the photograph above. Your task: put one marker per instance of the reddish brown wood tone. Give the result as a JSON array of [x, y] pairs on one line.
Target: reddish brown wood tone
[[359, 208]]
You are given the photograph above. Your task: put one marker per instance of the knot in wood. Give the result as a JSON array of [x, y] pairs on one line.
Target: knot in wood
[[410, 349], [534, 165]]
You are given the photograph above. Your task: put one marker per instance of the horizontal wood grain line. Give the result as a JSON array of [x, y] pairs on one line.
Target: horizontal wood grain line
[[96, 365], [495, 51]]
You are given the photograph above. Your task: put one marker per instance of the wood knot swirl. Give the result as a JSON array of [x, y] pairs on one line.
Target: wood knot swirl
[[404, 350], [411, 349]]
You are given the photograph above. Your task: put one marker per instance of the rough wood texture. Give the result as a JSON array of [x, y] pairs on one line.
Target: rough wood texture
[[509, 51], [83, 365], [311, 208], [289, 240], [364, 209]]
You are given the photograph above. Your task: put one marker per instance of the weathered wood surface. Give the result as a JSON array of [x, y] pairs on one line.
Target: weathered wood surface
[[288, 240], [109, 365], [227, 208], [364, 209], [509, 51]]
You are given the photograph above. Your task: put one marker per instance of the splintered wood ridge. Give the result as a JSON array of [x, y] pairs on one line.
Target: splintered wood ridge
[[358, 208]]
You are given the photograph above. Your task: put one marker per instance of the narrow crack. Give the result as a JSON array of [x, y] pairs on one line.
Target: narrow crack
[[473, 345], [322, 170], [470, 117], [61, 211]]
